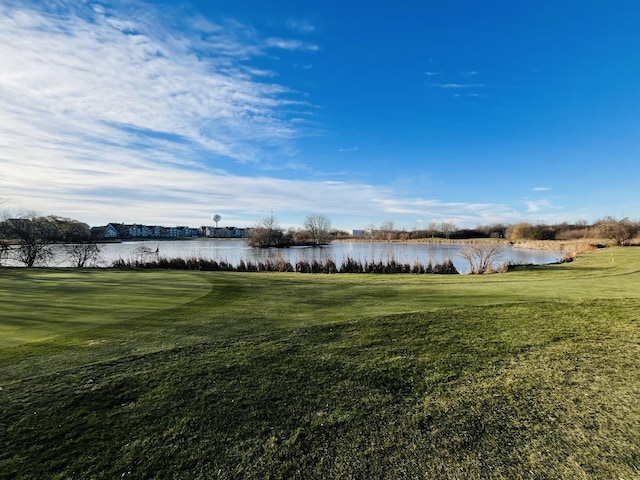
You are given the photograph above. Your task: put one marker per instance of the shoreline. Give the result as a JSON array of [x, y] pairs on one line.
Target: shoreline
[[571, 246]]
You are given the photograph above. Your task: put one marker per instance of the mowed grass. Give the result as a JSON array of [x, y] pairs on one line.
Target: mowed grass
[[43, 304], [530, 374]]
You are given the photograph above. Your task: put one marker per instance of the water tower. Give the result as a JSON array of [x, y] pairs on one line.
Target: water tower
[[216, 218]]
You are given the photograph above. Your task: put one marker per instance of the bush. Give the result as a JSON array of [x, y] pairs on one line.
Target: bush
[[445, 268]]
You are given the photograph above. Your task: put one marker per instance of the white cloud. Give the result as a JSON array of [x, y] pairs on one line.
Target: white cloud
[[534, 206], [457, 85], [469, 95], [457, 212], [300, 26], [288, 44], [70, 78], [541, 189]]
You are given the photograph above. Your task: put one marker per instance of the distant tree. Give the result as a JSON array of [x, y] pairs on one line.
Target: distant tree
[[520, 231], [72, 230], [496, 230], [267, 233], [432, 229], [4, 244], [145, 254], [81, 249], [481, 257], [527, 231], [466, 233], [387, 230], [83, 254], [447, 228], [579, 230], [4, 251], [33, 237], [302, 237], [620, 231], [319, 228]]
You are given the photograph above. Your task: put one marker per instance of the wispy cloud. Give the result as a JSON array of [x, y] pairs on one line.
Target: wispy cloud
[[457, 85], [348, 149], [469, 95], [432, 74], [300, 26], [87, 74], [540, 189], [539, 205], [289, 44], [456, 212], [95, 99]]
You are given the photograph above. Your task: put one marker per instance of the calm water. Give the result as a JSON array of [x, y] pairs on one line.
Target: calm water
[[234, 250]]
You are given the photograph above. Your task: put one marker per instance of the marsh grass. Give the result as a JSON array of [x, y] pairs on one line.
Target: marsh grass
[[572, 246], [278, 264], [530, 374]]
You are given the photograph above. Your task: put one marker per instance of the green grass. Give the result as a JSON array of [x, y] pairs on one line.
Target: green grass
[[530, 374], [41, 305]]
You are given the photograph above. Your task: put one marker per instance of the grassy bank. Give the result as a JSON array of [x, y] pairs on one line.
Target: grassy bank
[[533, 373]]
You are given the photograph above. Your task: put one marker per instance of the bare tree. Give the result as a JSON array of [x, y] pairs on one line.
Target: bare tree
[[33, 237], [481, 257], [83, 254], [73, 230], [319, 228], [432, 229], [4, 250], [387, 230], [447, 228], [144, 254], [4, 244], [81, 249], [267, 233], [620, 231]]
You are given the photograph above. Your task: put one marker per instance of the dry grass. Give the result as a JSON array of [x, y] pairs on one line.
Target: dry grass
[[584, 245]]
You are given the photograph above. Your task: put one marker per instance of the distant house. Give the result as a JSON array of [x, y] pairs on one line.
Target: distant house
[[136, 230], [177, 232], [225, 232], [111, 231]]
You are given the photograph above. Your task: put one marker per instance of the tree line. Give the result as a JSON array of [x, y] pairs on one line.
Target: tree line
[[618, 231], [267, 232], [29, 239]]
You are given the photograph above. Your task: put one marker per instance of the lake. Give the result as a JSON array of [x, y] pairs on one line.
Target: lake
[[235, 250]]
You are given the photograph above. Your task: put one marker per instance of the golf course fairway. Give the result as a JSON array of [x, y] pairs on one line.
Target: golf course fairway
[[529, 374]]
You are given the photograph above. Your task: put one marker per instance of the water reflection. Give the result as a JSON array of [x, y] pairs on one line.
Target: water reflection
[[235, 250]]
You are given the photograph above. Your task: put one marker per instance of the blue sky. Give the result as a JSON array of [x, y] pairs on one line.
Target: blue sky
[[408, 111]]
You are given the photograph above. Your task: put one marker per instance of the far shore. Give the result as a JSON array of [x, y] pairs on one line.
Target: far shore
[[573, 246]]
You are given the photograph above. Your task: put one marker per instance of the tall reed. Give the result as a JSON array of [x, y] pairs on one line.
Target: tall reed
[[279, 264]]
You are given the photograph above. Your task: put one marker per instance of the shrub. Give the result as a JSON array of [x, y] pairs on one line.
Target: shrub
[[303, 266], [349, 265], [445, 268]]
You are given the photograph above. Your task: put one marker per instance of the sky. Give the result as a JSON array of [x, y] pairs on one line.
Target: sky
[[414, 112]]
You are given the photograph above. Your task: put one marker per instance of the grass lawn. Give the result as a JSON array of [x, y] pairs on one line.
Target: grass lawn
[[529, 374]]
